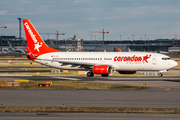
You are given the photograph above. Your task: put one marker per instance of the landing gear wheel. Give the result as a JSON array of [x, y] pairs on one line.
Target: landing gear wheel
[[104, 75], [90, 74], [160, 74]]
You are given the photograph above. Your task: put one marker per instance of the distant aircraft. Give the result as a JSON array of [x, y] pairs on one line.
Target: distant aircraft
[[164, 52], [15, 49], [52, 43], [94, 62], [4, 51], [119, 50], [129, 50]]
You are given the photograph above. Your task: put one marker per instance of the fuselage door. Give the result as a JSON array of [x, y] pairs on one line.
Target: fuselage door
[[154, 59]]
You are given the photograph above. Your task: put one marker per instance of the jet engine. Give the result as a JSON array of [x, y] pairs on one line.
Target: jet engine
[[102, 69]]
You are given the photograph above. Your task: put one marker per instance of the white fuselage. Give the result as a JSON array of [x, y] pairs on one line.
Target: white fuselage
[[120, 61]]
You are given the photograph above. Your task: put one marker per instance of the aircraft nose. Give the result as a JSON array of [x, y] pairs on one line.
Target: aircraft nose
[[174, 63]]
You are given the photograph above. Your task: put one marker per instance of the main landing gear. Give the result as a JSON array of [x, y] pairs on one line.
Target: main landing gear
[[160, 74], [90, 74]]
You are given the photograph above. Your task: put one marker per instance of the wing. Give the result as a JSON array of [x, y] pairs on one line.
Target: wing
[[73, 63]]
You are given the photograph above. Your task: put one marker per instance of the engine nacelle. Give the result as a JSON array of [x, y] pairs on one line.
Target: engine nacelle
[[127, 72], [102, 69]]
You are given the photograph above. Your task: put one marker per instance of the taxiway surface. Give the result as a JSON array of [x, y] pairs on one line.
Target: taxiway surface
[[163, 93], [87, 116], [160, 82], [156, 98]]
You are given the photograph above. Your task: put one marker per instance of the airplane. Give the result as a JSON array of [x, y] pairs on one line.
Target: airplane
[[15, 49], [128, 49], [119, 50], [164, 52], [94, 62], [52, 43]]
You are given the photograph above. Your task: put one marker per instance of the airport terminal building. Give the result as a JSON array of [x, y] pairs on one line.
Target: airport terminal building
[[97, 46]]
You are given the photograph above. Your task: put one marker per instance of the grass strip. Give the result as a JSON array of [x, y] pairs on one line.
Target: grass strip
[[74, 85], [90, 110]]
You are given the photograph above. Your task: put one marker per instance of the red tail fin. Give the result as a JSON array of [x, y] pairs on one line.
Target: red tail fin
[[35, 43], [119, 50]]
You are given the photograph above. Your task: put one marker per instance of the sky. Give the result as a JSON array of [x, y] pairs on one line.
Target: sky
[[126, 18]]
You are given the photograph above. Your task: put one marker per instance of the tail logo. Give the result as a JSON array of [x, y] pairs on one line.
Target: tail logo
[[37, 46], [36, 43]]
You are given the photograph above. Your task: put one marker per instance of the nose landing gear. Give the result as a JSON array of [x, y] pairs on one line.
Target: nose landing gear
[[160, 74]]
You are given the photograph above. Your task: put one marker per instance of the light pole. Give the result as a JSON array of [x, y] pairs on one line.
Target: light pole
[[132, 38], [91, 37], [141, 44], [145, 40], [120, 39], [95, 43], [175, 37], [160, 43], [148, 45], [19, 27]]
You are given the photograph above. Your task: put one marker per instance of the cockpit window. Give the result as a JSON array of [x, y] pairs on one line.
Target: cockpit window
[[166, 58]]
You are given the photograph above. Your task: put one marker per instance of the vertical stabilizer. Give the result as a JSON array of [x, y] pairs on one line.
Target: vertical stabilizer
[[10, 46], [35, 43], [119, 50]]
